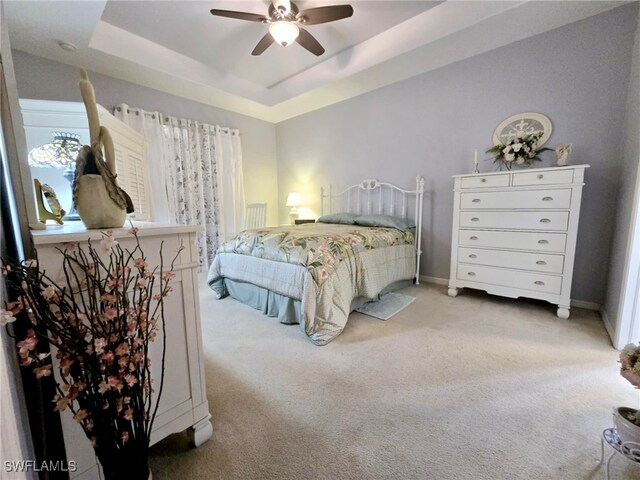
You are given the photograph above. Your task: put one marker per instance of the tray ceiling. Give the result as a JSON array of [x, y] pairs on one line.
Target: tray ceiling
[[179, 47], [225, 44]]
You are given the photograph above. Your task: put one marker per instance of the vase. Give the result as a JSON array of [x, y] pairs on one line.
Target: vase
[[130, 462], [98, 199], [130, 472], [626, 429], [95, 207]]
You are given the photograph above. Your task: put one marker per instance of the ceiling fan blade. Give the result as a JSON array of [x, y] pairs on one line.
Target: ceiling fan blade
[[308, 41], [251, 17], [264, 43], [315, 16]]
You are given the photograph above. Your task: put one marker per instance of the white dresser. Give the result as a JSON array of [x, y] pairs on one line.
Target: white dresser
[[183, 404], [514, 233]]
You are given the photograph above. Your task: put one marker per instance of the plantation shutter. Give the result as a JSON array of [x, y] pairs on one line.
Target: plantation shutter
[[131, 167]]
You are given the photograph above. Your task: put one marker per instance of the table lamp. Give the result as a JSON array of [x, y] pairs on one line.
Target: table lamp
[[294, 200]]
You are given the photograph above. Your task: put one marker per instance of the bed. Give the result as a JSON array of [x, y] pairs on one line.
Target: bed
[[315, 274]]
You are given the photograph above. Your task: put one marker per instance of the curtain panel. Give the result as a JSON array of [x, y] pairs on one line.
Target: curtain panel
[[196, 174]]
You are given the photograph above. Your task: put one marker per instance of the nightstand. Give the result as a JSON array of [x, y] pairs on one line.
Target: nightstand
[[300, 221]]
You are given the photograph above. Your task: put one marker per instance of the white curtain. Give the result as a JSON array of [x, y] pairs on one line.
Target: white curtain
[[230, 181], [201, 182], [192, 176], [148, 124]]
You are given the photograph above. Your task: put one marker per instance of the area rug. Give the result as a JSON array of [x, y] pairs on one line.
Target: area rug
[[387, 306]]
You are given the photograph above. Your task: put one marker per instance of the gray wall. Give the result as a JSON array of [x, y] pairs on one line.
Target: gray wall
[[43, 79], [628, 178], [431, 124]]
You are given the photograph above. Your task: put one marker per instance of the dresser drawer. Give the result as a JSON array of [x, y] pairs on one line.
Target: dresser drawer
[[543, 178], [531, 199], [541, 242], [537, 282], [539, 262], [485, 181], [516, 220]]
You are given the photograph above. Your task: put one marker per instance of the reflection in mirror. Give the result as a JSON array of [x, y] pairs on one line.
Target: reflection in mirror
[[54, 132], [58, 154]]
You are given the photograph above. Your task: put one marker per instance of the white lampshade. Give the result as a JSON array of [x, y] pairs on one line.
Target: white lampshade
[[283, 32], [294, 199]]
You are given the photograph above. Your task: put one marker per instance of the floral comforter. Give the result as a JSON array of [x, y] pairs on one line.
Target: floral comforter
[[319, 247], [325, 266]]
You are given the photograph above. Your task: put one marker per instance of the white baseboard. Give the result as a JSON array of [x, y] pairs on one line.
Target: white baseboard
[[607, 324], [436, 280], [586, 305], [574, 303]]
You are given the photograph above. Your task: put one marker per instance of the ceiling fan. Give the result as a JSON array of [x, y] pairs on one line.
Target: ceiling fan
[[285, 22]]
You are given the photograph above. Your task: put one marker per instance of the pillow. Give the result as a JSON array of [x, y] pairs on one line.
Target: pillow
[[343, 218], [385, 221]]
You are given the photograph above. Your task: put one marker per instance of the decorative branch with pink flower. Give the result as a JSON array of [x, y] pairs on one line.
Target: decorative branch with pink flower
[[100, 322], [520, 150]]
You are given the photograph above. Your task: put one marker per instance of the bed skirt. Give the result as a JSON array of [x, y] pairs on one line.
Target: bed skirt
[[324, 307], [286, 309]]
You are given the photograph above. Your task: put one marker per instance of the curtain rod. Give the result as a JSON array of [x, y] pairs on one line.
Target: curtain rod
[[153, 115], [137, 112]]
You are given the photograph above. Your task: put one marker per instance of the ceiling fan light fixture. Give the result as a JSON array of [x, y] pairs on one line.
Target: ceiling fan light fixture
[[283, 32]]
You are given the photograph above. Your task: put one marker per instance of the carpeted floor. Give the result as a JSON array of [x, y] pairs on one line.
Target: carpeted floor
[[473, 387]]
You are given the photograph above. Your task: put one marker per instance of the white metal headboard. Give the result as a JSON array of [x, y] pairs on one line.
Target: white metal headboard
[[371, 197]]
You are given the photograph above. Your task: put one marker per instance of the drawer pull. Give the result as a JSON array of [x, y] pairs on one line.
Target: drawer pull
[[543, 242], [473, 255], [541, 262], [471, 274], [539, 282], [483, 180], [547, 199], [544, 220], [473, 238], [476, 200], [540, 176], [475, 219]]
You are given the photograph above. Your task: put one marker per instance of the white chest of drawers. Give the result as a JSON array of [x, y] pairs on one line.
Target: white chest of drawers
[[514, 233]]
